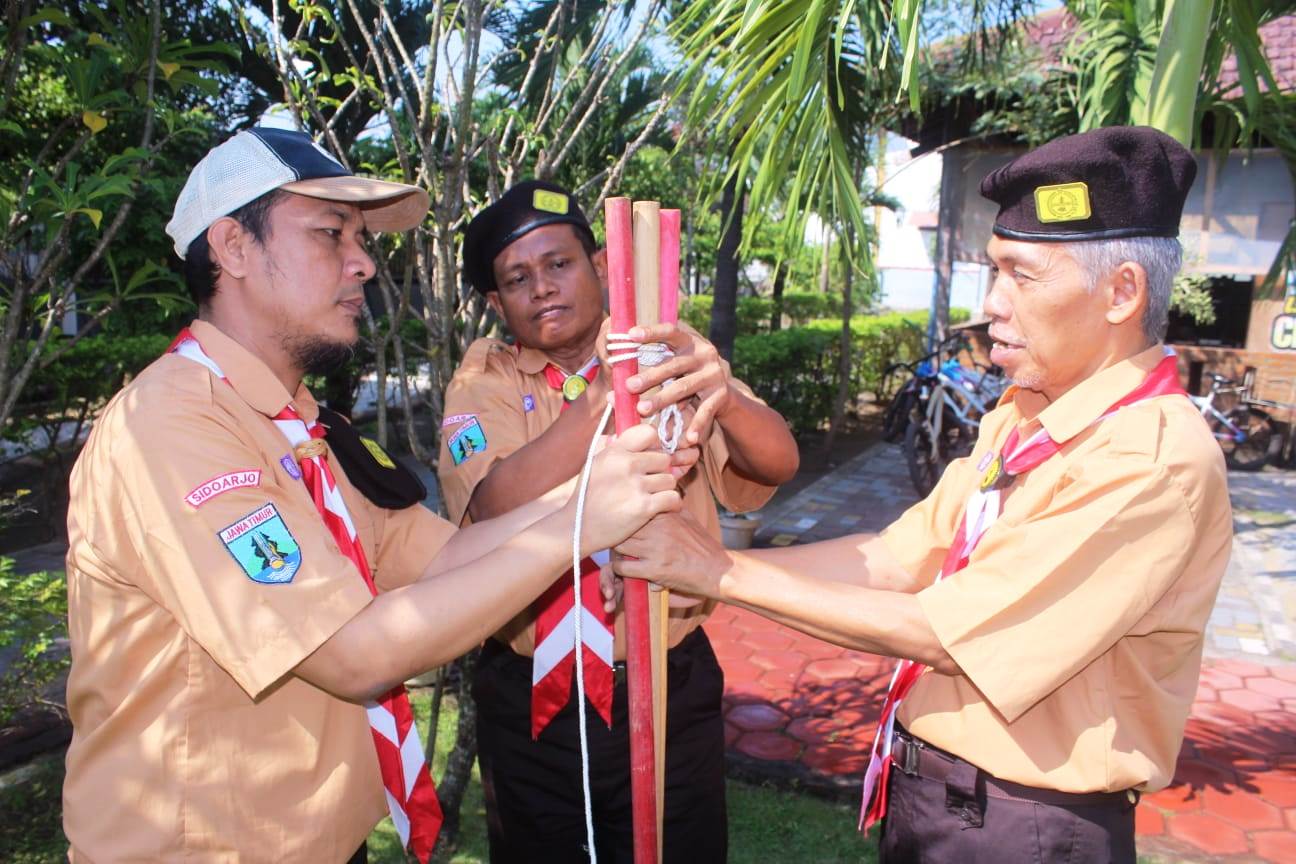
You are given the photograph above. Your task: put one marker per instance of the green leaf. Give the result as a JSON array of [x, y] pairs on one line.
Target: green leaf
[[47, 15]]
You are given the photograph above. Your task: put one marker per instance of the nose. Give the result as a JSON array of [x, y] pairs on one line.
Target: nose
[[359, 263], [996, 303], [543, 285]]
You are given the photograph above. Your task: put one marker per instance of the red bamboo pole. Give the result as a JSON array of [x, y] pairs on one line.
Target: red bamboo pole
[[643, 781]]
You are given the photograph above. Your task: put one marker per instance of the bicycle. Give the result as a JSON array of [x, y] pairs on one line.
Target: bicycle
[[1245, 433], [943, 425]]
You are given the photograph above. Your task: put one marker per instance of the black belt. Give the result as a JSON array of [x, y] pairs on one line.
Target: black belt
[[917, 758]]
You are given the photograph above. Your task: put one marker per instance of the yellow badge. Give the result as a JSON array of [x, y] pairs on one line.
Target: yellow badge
[[549, 201], [376, 451], [1065, 202], [573, 387], [991, 475]]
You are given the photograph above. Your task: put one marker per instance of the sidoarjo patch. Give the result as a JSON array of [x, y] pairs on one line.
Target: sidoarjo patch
[[263, 546]]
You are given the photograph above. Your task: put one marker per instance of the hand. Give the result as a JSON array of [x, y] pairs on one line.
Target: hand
[[629, 484], [698, 371], [613, 588], [676, 552]]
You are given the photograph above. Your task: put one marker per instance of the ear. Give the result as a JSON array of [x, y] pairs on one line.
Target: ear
[[228, 241], [1127, 293], [493, 301], [599, 260]]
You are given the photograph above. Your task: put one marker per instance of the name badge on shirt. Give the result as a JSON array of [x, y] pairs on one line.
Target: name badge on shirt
[[469, 439], [263, 546]]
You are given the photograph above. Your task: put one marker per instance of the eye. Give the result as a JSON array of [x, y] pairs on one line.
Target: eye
[[332, 233]]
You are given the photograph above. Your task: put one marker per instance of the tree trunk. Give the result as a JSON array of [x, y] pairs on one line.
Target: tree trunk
[[825, 270], [780, 279], [724, 308], [952, 165], [844, 360]]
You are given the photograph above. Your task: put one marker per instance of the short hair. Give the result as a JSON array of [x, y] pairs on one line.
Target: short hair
[[1160, 257], [201, 271]]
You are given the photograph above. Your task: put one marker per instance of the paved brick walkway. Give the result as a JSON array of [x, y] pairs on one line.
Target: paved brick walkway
[[805, 710]]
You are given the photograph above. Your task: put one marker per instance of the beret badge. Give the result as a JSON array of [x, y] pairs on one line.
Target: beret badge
[[1062, 202]]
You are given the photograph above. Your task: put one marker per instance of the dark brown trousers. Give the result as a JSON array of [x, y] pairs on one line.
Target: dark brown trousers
[[941, 809]]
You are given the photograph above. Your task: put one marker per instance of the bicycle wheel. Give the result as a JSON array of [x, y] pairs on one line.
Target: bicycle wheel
[[1249, 449], [897, 413], [924, 469]]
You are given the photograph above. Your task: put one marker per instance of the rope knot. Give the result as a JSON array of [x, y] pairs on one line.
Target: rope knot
[[310, 449]]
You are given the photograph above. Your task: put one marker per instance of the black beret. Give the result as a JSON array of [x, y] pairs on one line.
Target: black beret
[[1121, 181], [527, 206]]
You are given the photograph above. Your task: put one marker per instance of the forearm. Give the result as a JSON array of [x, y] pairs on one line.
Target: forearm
[[476, 539], [884, 622], [555, 456], [423, 625], [760, 445], [857, 559]]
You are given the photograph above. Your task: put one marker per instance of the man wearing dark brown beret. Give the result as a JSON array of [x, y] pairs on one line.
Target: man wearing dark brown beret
[[519, 419], [1047, 601]]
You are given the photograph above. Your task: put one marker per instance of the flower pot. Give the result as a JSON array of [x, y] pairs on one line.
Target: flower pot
[[736, 532]]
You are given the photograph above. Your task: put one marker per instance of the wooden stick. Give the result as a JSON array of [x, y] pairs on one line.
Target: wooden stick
[[643, 783], [647, 243]]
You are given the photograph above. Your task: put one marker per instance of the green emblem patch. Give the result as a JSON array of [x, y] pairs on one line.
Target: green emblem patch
[[550, 201], [263, 546]]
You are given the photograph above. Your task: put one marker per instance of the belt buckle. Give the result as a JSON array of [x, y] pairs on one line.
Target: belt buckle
[[910, 755]]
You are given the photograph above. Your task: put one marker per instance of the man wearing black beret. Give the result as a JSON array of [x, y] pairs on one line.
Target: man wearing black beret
[[1048, 600], [519, 420]]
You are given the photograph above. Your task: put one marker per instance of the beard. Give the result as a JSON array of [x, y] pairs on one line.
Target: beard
[[316, 355]]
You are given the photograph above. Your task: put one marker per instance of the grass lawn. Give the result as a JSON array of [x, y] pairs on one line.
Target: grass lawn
[[765, 824]]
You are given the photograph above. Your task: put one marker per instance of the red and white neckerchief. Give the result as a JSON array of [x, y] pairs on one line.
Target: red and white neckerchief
[[407, 783], [554, 663], [982, 509]]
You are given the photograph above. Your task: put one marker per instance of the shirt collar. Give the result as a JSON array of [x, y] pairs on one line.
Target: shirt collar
[[531, 361], [251, 378], [1084, 403]]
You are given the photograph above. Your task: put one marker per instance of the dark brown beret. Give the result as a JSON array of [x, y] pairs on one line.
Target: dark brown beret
[[527, 206], [1121, 181]]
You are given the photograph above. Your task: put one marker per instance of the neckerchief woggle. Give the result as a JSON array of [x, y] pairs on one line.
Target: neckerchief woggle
[[982, 509], [407, 783]]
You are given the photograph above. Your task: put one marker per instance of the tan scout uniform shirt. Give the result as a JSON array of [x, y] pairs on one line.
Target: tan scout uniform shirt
[[505, 391], [191, 742], [1078, 622]]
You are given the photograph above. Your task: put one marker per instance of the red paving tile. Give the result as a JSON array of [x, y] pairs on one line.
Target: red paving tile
[[1275, 687], [829, 671], [1276, 846], [770, 746], [756, 718], [791, 698], [1148, 821], [1218, 679], [1249, 700], [1241, 668], [1242, 809], [1209, 834]]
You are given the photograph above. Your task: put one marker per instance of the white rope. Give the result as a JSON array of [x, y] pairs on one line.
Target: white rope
[[670, 422], [580, 644]]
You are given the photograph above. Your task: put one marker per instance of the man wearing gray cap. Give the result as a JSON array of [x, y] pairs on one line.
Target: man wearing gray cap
[[1048, 600], [249, 580]]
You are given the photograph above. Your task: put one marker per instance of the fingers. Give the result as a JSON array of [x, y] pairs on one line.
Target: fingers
[[638, 438], [700, 426], [668, 501], [649, 377], [671, 334]]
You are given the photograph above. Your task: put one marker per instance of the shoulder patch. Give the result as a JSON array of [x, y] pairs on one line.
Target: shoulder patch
[[263, 547], [468, 440], [204, 492], [456, 419]]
